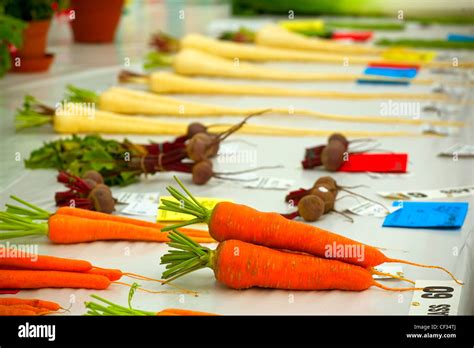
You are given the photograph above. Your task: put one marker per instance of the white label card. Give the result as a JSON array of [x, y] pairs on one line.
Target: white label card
[[459, 150], [368, 209], [267, 183], [438, 298], [449, 192], [133, 197], [141, 208]]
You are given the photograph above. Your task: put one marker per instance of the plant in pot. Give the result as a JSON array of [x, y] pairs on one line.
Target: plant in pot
[[94, 21], [37, 14]]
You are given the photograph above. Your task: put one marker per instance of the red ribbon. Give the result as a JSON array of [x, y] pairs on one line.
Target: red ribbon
[[376, 162]]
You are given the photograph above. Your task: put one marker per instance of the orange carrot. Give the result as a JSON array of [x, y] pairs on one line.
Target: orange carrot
[[42, 262], [94, 215], [67, 229], [12, 311], [182, 312], [37, 310], [74, 225], [241, 265], [111, 274], [11, 301], [228, 221], [51, 279]]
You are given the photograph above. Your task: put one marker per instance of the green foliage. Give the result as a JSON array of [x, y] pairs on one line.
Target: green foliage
[[78, 155], [29, 10], [11, 32], [427, 43]]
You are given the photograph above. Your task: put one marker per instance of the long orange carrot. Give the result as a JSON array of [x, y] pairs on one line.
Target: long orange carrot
[[11, 301], [241, 265], [182, 312], [94, 215], [67, 229], [37, 310], [13, 311], [234, 221], [111, 274], [41, 262], [74, 225], [51, 279]]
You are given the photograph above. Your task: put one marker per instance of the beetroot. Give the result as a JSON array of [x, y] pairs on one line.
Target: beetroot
[[102, 199], [311, 208], [202, 172]]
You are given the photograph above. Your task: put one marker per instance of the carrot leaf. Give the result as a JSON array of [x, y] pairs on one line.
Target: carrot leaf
[[113, 309], [192, 257], [189, 205]]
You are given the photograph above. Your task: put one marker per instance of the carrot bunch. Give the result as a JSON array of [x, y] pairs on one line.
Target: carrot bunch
[[74, 225], [26, 271], [10, 306], [249, 253], [108, 308]]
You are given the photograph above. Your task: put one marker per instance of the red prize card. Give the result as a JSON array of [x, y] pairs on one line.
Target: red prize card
[[394, 65], [376, 162], [355, 36]]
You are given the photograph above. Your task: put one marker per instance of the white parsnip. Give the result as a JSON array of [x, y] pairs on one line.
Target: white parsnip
[[233, 50], [192, 62], [73, 122], [128, 101], [167, 82], [272, 35]]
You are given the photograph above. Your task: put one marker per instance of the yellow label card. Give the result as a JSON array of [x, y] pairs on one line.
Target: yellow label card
[[165, 215], [302, 25], [399, 54]]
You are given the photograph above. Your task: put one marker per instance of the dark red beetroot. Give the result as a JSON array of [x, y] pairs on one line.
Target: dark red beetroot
[[102, 199], [95, 21], [311, 208], [201, 146], [202, 172], [93, 175], [332, 156], [322, 191]]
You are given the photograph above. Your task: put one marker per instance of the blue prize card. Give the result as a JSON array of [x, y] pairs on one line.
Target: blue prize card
[[439, 215]]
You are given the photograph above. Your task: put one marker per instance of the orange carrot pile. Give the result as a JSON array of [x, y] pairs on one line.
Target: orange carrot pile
[[241, 265], [74, 225], [30, 307], [228, 221], [27, 271]]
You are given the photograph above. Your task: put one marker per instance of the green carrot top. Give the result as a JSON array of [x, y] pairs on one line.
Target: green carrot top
[[186, 204]]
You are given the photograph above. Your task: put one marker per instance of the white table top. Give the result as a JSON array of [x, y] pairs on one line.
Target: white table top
[[95, 67]]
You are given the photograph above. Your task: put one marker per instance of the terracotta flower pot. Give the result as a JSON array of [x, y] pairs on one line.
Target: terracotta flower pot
[[95, 21], [31, 57], [34, 39]]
